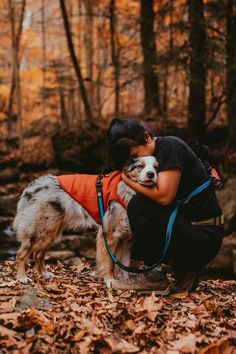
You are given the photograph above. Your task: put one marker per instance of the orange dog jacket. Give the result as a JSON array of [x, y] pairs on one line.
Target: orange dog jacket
[[82, 188]]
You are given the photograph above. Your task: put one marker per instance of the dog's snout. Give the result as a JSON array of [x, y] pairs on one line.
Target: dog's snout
[[150, 174]]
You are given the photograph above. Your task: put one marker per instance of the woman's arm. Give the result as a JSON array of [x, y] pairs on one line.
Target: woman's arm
[[164, 191]]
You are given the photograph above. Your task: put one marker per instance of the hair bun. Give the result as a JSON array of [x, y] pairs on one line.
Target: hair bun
[[115, 121]]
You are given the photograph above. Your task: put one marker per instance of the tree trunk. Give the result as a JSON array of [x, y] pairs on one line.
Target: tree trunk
[[43, 58], [197, 39], [15, 81], [79, 53], [76, 65], [231, 70], [166, 72], [151, 81], [64, 115], [115, 57], [10, 111], [88, 43]]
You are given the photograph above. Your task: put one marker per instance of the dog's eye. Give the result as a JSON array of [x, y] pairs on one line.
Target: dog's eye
[[139, 167], [156, 167]]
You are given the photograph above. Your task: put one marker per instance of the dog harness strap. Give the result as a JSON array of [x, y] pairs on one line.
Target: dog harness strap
[[174, 213], [168, 230]]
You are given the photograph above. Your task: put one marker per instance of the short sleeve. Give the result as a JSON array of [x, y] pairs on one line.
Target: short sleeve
[[170, 154]]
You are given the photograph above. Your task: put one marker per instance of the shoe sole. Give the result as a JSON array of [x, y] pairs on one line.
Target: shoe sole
[[178, 289], [156, 292]]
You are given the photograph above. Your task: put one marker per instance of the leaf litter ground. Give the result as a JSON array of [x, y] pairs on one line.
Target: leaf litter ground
[[75, 313]]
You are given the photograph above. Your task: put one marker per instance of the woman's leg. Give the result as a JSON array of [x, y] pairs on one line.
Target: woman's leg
[[148, 222], [194, 245], [148, 244], [190, 244], [191, 247]]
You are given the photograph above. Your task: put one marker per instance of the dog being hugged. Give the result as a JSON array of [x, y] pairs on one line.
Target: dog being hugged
[[51, 204]]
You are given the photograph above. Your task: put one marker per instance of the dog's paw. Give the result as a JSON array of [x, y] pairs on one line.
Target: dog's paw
[[24, 280], [47, 275], [108, 283]]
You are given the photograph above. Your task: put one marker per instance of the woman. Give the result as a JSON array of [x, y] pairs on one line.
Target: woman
[[198, 227]]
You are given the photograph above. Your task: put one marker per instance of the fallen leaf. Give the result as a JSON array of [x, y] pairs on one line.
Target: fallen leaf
[[199, 309], [185, 344], [79, 335], [10, 318], [218, 347], [210, 305], [4, 331], [130, 324], [182, 295], [139, 329], [8, 283], [151, 304], [121, 346], [8, 306]]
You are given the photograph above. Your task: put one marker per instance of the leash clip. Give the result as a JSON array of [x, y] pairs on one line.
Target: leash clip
[[99, 184]]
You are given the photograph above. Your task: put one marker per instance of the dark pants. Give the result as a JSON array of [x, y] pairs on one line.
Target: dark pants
[[190, 246]]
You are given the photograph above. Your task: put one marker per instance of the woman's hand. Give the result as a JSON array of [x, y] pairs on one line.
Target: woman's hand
[[164, 191], [127, 180]]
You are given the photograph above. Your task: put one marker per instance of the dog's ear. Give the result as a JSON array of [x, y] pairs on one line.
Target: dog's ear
[[130, 164]]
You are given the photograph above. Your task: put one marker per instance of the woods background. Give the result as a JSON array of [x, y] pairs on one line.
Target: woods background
[[67, 67], [77, 63]]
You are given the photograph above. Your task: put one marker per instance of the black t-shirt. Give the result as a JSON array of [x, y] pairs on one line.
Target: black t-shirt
[[172, 152]]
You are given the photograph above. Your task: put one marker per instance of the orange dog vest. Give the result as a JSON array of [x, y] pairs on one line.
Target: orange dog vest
[[82, 188]]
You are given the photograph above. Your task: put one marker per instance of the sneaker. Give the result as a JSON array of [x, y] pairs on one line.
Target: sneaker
[[145, 282], [186, 280]]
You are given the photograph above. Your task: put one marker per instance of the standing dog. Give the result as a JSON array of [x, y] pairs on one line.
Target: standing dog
[[49, 205]]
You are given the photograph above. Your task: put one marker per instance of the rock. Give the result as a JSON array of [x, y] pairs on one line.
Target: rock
[[78, 242], [8, 240], [30, 299], [44, 126], [88, 253], [11, 188], [37, 151], [8, 204], [5, 222], [9, 231], [58, 246], [28, 176], [226, 258], [10, 159], [73, 261], [9, 174], [3, 147], [72, 242], [84, 151], [53, 256], [227, 199], [7, 251], [9, 171], [234, 261]]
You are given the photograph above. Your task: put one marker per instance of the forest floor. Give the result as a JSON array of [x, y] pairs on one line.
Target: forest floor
[[75, 313]]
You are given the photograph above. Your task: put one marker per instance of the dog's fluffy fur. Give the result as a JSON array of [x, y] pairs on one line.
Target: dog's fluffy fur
[[45, 210]]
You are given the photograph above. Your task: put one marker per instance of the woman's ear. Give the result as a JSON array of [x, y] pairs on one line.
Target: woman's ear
[[147, 137]]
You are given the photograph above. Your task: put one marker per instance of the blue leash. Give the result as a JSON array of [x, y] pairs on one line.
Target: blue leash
[[168, 230]]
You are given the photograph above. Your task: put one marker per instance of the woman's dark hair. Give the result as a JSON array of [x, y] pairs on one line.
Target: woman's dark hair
[[124, 134]]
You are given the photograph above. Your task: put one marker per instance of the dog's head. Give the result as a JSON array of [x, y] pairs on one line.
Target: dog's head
[[142, 170]]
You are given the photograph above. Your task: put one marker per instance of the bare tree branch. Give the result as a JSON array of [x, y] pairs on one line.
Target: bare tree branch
[[76, 65]]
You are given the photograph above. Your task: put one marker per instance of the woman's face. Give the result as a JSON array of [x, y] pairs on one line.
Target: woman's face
[[143, 150]]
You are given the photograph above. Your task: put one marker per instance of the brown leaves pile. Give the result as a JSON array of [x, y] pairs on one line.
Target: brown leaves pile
[[75, 313]]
